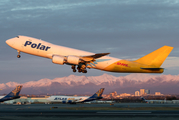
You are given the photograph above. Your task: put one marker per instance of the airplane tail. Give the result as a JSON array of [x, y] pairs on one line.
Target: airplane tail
[[156, 58], [14, 94], [143, 99], [98, 94]]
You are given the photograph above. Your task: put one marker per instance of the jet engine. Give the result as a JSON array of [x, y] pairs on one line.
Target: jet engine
[[68, 59], [58, 60], [73, 60]]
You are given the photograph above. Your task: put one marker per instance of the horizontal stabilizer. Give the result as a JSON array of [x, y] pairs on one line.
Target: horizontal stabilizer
[[152, 69]]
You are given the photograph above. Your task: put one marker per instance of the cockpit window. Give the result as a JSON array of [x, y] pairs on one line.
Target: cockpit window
[[17, 36]]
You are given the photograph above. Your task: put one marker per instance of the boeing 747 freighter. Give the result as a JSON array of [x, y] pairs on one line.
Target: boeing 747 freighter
[[81, 60]]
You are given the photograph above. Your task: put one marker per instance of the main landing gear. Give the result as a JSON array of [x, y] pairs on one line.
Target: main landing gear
[[73, 68], [18, 56], [80, 68]]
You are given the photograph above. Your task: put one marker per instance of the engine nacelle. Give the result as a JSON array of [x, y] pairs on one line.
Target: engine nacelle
[[58, 60], [73, 59], [69, 101]]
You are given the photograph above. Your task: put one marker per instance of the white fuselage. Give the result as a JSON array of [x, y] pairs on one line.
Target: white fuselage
[[67, 99], [41, 48], [155, 101]]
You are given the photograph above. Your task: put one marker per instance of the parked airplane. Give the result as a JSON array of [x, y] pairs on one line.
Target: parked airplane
[[12, 95], [76, 99], [62, 55], [154, 101]]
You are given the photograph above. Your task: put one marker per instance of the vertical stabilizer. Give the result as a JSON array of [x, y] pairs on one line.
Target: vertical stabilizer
[[156, 58], [98, 94], [143, 99], [13, 94]]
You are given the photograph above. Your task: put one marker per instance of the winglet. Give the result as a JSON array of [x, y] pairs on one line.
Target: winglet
[[157, 57]]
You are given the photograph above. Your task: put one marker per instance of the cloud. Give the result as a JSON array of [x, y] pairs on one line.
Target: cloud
[[171, 63]]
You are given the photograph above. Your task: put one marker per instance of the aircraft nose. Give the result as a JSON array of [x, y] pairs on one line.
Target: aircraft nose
[[10, 42]]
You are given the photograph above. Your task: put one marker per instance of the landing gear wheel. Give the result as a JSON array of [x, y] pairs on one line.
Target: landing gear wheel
[[73, 67], [82, 68], [79, 70], [18, 56], [84, 71]]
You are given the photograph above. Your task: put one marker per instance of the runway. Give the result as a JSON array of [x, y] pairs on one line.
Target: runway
[[95, 111]]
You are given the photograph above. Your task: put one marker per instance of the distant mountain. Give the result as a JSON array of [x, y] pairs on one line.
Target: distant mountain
[[87, 85]]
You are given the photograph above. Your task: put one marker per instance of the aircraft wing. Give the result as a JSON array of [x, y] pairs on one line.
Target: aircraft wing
[[93, 57]]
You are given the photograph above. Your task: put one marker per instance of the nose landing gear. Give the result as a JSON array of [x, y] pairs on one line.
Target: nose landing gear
[[18, 56]]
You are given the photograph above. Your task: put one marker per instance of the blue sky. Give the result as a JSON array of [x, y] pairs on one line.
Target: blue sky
[[128, 29]]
